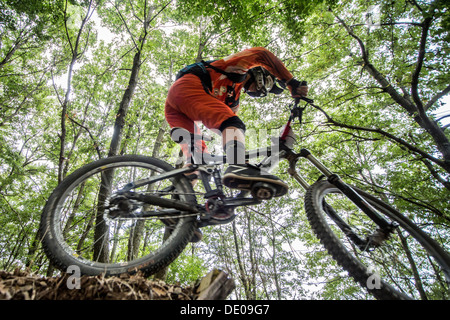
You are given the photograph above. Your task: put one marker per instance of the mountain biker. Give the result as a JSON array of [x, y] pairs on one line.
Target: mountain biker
[[209, 92]]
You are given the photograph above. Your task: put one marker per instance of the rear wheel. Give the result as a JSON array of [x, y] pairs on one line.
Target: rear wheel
[[408, 264], [87, 224]]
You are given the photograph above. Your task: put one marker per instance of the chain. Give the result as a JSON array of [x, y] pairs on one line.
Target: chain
[[156, 217], [160, 194]]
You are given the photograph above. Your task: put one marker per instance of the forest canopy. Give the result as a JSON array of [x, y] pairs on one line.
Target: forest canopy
[[82, 80]]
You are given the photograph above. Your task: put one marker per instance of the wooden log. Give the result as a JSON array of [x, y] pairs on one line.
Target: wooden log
[[215, 286]]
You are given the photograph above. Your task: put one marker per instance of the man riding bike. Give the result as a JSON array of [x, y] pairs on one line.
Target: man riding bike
[[209, 92]]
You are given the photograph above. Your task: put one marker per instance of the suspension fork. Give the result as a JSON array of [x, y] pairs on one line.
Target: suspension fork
[[334, 179]]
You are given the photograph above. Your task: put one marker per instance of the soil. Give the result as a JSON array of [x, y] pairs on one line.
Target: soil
[[22, 285]]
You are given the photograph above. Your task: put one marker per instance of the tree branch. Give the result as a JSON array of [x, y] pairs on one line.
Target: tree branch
[[126, 26], [134, 13], [385, 84], [436, 97], [415, 76], [56, 89], [388, 135], [66, 29], [96, 144], [414, 108], [434, 173]]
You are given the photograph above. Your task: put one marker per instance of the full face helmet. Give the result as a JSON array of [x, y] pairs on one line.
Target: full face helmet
[[260, 83]]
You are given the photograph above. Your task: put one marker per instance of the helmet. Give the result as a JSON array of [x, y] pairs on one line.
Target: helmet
[[260, 82]]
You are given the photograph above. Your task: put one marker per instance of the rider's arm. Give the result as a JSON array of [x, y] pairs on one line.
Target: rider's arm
[[260, 56], [297, 88]]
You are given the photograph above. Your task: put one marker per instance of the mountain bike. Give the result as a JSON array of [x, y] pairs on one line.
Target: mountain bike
[[134, 213]]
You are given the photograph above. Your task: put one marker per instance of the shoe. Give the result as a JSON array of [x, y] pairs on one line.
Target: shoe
[[245, 176]]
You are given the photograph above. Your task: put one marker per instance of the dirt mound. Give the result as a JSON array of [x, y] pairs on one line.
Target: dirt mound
[[21, 285]]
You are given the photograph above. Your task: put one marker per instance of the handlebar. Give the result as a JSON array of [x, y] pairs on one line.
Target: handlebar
[[307, 100]]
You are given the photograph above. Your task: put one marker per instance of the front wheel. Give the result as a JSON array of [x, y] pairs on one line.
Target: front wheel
[[406, 265], [76, 229]]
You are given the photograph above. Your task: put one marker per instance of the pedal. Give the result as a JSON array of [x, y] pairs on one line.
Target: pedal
[[263, 191]]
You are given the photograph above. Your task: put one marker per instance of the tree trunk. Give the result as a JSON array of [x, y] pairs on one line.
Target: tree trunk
[[101, 248], [162, 274], [240, 264], [215, 286], [101, 251], [274, 262], [76, 54], [253, 266]]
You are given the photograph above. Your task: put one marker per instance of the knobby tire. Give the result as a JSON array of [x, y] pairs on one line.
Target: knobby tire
[[333, 240], [67, 243]]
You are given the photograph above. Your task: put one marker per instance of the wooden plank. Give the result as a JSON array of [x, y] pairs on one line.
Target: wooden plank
[[215, 286]]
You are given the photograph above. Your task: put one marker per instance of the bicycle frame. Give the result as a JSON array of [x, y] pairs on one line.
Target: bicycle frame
[[208, 166]]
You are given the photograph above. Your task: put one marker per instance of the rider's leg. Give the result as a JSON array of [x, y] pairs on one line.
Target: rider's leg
[[233, 141], [239, 174]]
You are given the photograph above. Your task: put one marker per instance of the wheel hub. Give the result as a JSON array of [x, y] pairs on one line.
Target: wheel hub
[[121, 206]]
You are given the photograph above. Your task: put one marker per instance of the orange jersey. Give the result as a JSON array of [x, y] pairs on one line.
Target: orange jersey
[[188, 102]]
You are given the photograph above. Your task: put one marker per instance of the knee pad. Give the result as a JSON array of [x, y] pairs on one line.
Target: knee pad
[[233, 122]]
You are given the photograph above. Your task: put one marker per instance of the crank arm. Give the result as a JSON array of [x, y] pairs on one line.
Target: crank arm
[[164, 214], [237, 202]]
